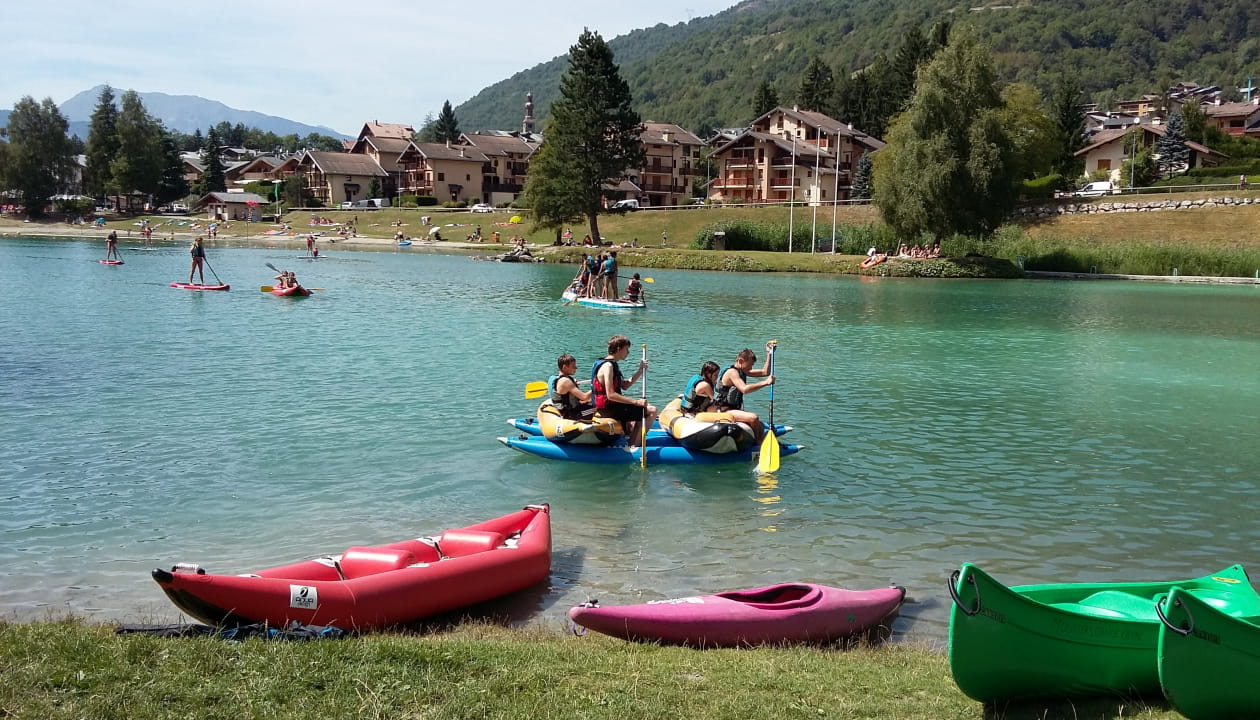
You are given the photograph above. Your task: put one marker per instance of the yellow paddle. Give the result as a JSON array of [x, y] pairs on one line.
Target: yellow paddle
[[538, 388], [768, 461]]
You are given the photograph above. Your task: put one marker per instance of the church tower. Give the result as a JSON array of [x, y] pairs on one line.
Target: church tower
[[527, 125]]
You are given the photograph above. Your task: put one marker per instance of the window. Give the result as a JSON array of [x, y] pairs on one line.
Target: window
[[1104, 163], [441, 177]]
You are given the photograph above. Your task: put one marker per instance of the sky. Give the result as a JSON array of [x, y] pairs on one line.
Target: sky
[[319, 62]]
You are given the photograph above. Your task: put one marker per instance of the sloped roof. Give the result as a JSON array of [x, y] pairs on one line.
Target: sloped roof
[[440, 151], [654, 133], [390, 149], [802, 148], [380, 129], [1231, 109], [497, 144], [826, 123], [232, 198], [336, 163], [1105, 137]]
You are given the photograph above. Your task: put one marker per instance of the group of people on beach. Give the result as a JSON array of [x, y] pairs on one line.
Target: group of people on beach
[[709, 390], [919, 251]]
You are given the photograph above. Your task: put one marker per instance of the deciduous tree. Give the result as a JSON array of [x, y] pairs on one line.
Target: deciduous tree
[[39, 156], [138, 165], [591, 141], [1195, 119], [948, 165]]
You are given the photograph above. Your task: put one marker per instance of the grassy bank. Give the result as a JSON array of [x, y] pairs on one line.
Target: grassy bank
[[70, 670], [1214, 242]]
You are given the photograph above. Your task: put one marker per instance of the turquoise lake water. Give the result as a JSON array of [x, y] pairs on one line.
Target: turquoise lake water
[[1048, 431]]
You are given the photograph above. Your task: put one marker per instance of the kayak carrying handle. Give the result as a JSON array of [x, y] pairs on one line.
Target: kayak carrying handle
[[953, 593], [188, 567], [578, 629], [1159, 610]]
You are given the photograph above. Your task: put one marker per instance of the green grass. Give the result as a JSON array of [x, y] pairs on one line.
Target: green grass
[[65, 669]]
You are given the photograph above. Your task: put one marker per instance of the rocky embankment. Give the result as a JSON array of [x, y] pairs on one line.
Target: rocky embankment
[[1037, 212]]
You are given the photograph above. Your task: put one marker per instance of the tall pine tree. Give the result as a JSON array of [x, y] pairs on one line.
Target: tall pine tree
[[766, 99], [591, 141], [1069, 121], [102, 146], [212, 179], [818, 87], [1174, 154], [447, 128]]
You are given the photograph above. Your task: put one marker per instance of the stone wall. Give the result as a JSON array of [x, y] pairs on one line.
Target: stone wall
[[1036, 212]]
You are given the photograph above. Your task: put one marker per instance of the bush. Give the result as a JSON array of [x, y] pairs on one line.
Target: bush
[[425, 200], [1042, 188]]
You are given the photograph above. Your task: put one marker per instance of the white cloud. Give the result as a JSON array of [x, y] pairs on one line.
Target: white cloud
[[319, 62]]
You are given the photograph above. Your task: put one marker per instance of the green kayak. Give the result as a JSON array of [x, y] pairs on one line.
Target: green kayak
[[1208, 659], [1068, 639]]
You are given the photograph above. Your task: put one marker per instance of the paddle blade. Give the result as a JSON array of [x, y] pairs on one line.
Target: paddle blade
[[535, 390], [273, 267], [267, 288], [768, 461], [647, 280]]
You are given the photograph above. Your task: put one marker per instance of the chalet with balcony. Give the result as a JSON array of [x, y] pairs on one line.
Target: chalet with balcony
[[507, 162], [1235, 118], [790, 155], [398, 157], [262, 167], [671, 165], [336, 177]]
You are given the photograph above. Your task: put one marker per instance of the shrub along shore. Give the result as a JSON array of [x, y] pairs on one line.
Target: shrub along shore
[[1213, 242], [68, 669]]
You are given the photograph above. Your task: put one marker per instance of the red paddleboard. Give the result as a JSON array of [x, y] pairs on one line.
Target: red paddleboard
[[194, 286], [110, 262]]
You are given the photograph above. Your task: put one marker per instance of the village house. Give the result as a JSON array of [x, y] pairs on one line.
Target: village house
[[398, 157], [671, 165], [1235, 118], [790, 154], [507, 162], [336, 177], [232, 206], [262, 167], [1107, 150], [450, 172]]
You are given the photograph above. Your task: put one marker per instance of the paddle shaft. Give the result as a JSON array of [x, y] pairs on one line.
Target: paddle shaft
[[643, 422], [768, 460], [206, 261]]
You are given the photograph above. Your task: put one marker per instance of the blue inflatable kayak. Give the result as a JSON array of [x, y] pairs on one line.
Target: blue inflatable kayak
[[656, 434], [620, 455]]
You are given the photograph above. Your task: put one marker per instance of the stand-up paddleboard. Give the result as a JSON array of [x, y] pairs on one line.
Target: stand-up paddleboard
[[195, 286], [404, 243], [110, 262]]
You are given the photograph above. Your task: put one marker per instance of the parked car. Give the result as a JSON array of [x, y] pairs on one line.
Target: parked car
[[1095, 189], [481, 207], [624, 205]]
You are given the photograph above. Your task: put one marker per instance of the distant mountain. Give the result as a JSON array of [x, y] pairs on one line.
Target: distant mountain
[[185, 113], [704, 74]]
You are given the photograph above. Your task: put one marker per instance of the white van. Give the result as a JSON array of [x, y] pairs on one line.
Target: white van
[[1096, 189]]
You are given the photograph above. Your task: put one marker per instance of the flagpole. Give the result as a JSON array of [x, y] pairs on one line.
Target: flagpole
[[813, 229], [835, 192], [792, 195]]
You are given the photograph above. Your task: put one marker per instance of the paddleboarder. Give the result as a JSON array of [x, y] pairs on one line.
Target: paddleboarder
[[198, 253], [111, 246]]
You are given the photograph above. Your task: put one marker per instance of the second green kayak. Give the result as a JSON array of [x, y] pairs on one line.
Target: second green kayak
[[1069, 639]]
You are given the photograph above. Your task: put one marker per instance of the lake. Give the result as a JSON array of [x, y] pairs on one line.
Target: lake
[[1045, 430]]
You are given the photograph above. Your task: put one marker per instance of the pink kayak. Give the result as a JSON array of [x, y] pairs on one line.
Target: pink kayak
[[788, 613]]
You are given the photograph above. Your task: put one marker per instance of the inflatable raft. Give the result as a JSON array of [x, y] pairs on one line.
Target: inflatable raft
[[656, 434], [710, 431], [608, 304], [788, 613], [559, 429], [295, 291], [370, 587], [621, 454]]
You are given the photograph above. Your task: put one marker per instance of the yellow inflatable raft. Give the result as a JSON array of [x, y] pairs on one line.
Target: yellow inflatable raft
[[558, 429]]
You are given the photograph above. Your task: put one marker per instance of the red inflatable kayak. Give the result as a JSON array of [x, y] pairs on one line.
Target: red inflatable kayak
[[788, 613], [295, 291], [110, 262], [194, 286], [369, 587]]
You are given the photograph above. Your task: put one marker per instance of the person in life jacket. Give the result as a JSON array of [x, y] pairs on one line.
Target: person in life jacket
[[634, 289], [698, 396], [734, 385], [607, 383], [572, 401]]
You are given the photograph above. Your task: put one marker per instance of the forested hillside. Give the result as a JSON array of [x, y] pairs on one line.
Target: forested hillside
[[704, 74]]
